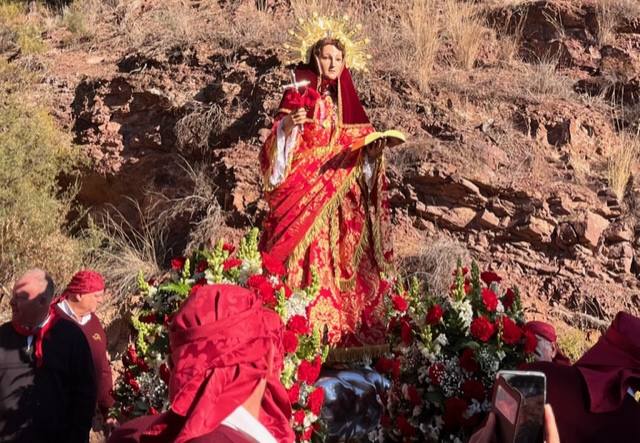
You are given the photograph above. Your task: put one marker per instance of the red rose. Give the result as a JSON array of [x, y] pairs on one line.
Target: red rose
[[202, 266], [272, 266], [511, 333], [316, 400], [228, 247], [489, 299], [263, 287], [454, 409], [298, 417], [405, 427], [134, 385], [489, 277], [530, 342], [306, 435], [290, 342], [399, 303], [508, 299], [473, 389], [482, 328], [294, 393], [309, 371], [165, 373], [434, 314], [468, 361], [413, 395], [436, 371], [298, 324], [231, 263], [406, 332], [177, 263]]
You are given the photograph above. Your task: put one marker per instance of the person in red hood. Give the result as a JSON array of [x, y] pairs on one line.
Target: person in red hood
[[226, 351], [547, 347], [596, 399], [79, 302]]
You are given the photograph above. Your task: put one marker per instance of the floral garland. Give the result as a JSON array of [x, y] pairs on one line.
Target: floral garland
[[142, 386], [446, 352]]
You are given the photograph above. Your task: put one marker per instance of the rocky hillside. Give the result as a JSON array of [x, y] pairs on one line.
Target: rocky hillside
[[525, 158]]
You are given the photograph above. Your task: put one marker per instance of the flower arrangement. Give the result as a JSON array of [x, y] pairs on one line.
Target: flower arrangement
[[446, 352], [142, 386]]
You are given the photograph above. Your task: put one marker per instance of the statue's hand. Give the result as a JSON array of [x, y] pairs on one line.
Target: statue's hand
[[297, 117], [374, 150]]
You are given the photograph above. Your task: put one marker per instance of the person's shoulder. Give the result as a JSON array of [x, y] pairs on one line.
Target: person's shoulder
[[552, 369], [5, 327], [66, 327]]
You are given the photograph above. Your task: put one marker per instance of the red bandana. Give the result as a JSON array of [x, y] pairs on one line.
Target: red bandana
[[543, 329], [84, 282]]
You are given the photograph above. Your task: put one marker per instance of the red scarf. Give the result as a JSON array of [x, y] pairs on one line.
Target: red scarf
[[38, 333], [613, 364]]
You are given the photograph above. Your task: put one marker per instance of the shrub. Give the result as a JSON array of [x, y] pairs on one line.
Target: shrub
[[17, 32]]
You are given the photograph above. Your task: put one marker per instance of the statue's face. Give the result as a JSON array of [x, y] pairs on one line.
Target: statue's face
[[331, 62]]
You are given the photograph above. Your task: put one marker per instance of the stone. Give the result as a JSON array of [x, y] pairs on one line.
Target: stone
[[456, 218], [565, 236], [536, 230], [618, 232], [488, 220], [620, 257], [589, 228]]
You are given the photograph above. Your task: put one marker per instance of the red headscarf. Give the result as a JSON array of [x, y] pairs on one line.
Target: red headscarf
[[223, 342], [548, 332], [612, 364], [350, 110], [84, 282]]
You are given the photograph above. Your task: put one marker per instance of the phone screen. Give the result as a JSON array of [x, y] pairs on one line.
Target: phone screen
[[532, 386]]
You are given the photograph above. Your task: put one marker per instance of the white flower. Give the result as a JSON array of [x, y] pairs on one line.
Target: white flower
[[296, 305], [249, 268], [500, 308], [464, 310]]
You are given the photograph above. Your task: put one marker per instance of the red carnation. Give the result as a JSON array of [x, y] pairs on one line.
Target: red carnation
[[309, 372], [434, 314], [399, 303], [257, 280], [263, 287], [165, 373], [508, 299], [306, 435], [134, 384], [413, 395], [405, 427], [132, 355], [473, 389], [231, 263], [468, 361], [228, 247], [298, 324], [384, 365], [272, 265], [298, 417], [511, 333], [482, 328], [489, 277], [202, 266], [289, 342], [454, 409], [177, 263], [294, 393], [530, 342], [490, 299], [406, 332], [436, 371], [142, 365], [316, 400]]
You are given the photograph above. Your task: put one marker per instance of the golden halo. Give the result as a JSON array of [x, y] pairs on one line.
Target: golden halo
[[308, 32]]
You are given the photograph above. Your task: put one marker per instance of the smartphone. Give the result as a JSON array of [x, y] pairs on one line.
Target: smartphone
[[518, 402]]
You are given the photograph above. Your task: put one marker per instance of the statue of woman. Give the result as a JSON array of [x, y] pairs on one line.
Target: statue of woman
[[327, 210]]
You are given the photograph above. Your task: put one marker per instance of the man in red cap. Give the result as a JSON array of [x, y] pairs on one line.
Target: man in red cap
[[547, 346], [226, 353], [47, 385], [79, 302], [597, 399]]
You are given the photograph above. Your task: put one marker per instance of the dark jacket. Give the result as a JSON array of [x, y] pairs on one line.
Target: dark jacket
[[51, 403]]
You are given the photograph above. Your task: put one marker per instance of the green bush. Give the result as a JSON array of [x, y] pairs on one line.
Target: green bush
[[34, 152]]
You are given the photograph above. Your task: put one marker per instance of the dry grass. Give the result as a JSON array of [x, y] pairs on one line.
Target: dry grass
[[195, 131], [622, 162], [423, 29], [18, 31], [82, 18], [435, 263], [573, 343], [119, 250], [464, 26], [543, 79]]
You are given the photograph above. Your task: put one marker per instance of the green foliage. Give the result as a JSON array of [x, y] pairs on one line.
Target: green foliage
[[17, 32], [34, 152]]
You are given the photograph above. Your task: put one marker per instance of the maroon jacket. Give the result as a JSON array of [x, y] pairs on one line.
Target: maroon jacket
[[568, 395], [97, 340]]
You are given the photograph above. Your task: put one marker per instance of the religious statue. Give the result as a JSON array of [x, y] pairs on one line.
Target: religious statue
[[325, 187]]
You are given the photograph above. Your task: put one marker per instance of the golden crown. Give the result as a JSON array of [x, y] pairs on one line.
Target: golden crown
[[308, 31]]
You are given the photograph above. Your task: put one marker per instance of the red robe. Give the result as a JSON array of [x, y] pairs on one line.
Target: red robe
[[325, 218]]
